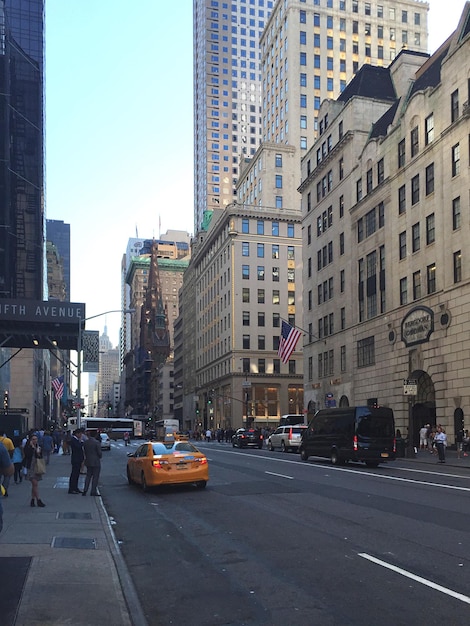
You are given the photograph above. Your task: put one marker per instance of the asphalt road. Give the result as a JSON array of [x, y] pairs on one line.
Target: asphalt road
[[276, 541]]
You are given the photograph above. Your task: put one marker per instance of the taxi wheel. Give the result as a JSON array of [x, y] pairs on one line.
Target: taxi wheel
[[144, 482], [201, 484], [129, 479]]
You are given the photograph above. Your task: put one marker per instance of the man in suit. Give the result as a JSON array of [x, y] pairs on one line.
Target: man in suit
[[76, 447], [92, 450]]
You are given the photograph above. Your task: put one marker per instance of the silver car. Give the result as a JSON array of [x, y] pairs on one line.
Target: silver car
[[105, 441], [286, 438]]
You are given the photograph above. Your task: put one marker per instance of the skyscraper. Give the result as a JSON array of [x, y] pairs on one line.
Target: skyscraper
[[58, 234], [227, 96], [22, 149]]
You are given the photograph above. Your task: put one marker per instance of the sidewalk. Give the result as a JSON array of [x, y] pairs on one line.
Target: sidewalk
[[423, 456], [60, 565]]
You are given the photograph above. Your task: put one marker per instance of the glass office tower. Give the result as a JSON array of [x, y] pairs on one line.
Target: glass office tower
[[22, 149]]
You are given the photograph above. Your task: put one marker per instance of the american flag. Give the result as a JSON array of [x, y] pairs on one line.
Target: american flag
[[58, 386], [288, 341]]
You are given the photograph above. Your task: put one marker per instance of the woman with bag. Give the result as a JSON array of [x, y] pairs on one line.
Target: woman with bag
[[36, 467]]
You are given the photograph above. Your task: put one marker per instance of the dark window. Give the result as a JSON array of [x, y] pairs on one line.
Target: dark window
[[457, 266], [456, 213], [430, 229], [430, 179]]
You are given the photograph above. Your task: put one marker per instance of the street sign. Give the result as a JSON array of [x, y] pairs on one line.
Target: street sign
[[410, 387], [13, 410], [246, 384]]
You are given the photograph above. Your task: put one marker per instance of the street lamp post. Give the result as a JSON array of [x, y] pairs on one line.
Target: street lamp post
[[79, 356]]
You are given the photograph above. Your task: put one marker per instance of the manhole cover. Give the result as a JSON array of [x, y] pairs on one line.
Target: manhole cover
[[73, 515], [74, 542]]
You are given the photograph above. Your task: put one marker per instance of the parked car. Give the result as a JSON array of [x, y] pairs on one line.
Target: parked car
[[105, 441], [157, 463], [344, 434], [286, 438], [245, 437]]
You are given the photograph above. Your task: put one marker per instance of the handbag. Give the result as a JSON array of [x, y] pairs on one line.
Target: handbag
[[40, 467]]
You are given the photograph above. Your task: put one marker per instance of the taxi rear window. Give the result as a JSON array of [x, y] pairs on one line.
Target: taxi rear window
[[160, 447]]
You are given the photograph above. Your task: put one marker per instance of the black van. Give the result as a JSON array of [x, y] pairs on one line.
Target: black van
[[358, 433]]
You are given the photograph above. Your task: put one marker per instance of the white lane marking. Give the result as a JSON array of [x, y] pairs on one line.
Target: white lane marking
[[280, 475], [354, 471], [419, 579]]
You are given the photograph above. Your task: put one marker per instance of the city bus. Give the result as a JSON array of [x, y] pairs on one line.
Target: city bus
[[115, 427]]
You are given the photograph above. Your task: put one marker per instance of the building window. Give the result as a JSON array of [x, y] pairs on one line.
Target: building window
[[246, 342], [369, 180], [245, 272], [414, 141], [454, 105], [260, 296], [341, 244], [246, 294], [401, 153], [261, 366], [403, 291], [278, 160], [246, 366], [260, 227], [430, 229], [402, 244], [290, 230], [341, 206], [342, 282], [416, 285], [246, 318], [431, 277], [303, 17], [261, 318], [457, 266], [415, 237], [456, 213], [380, 171], [245, 248], [278, 202], [245, 225], [366, 352], [278, 181], [276, 320], [456, 159], [401, 200], [415, 189], [260, 272], [430, 179], [260, 250], [275, 274], [429, 129], [261, 342], [359, 190], [343, 358]]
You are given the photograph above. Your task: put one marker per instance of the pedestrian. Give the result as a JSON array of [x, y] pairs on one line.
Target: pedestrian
[[56, 437], [208, 434], [466, 443], [17, 459], [8, 443], [32, 458], [6, 469], [126, 438], [423, 437], [76, 447], [93, 453], [440, 439], [47, 446]]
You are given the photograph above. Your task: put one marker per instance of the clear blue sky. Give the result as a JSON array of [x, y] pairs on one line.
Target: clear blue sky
[[119, 130]]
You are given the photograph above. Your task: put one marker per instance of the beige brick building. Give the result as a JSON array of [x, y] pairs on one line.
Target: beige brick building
[[385, 220]]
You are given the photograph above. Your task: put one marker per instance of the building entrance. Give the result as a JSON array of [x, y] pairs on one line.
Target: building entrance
[[422, 406]]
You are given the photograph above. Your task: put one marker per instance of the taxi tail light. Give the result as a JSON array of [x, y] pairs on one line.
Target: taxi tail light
[[202, 461], [158, 463], [355, 446]]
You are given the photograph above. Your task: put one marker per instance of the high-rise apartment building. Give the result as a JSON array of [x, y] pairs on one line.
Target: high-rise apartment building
[[227, 96]]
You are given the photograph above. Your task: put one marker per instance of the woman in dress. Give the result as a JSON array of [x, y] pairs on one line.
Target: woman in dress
[[32, 451]]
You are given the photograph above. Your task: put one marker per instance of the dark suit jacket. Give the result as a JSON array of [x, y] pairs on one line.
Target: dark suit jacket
[[92, 449], [77, 451]]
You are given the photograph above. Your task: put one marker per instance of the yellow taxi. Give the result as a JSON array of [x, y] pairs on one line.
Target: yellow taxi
[[168, 462]]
